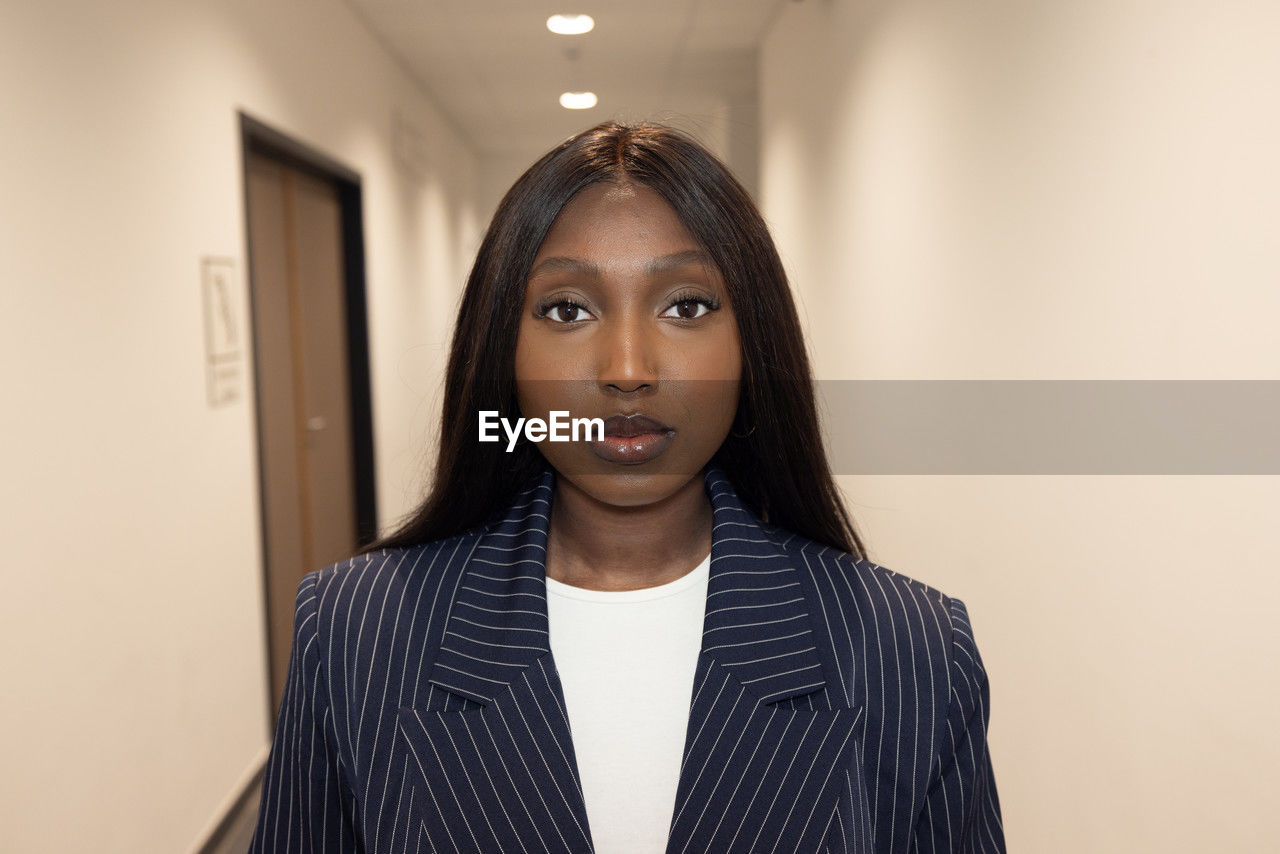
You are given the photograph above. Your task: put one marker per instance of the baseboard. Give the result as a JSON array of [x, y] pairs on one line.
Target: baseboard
[[236, 802]]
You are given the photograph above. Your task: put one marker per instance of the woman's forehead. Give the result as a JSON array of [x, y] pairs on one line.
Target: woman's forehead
[[610, 216], [653, 267]]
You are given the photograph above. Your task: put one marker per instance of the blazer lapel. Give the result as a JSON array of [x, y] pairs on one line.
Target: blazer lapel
[[760, 772], [756, 769], [500, 775]]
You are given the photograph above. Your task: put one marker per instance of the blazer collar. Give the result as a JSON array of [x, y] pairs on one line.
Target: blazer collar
[[756, 623], [754, 770]]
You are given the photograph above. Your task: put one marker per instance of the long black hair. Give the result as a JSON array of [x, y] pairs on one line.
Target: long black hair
[[774, 457]]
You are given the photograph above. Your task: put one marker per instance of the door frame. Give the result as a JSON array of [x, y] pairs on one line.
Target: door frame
[[257, 137]]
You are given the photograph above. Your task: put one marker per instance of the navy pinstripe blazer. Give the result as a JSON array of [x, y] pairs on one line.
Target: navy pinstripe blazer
[[837, 706]]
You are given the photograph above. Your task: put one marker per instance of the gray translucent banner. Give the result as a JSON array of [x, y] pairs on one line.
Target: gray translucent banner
[[1073, 427], [1001, 427]]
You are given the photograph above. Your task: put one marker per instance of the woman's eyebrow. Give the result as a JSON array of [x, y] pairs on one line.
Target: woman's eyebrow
[[562, 264], [688, 257]]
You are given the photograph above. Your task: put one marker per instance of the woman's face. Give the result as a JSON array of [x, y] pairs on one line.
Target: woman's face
[[626, 315]]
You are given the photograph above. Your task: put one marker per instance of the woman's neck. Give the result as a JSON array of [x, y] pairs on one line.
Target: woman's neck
[[604, 547]]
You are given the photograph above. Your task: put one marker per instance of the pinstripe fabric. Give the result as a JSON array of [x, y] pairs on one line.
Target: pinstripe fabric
[[837, 707]]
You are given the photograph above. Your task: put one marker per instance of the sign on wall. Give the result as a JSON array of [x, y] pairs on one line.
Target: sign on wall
[[224, 333]]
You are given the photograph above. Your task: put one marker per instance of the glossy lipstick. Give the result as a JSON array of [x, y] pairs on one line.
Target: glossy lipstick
[[632, 439]]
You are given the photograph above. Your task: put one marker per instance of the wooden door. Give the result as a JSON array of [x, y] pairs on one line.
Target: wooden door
[[303, 386]]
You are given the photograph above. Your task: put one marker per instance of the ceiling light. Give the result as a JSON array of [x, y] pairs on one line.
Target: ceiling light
[[578, 100], [570, 25]]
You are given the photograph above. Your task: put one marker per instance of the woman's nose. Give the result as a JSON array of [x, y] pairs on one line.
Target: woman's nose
[[628, 358]]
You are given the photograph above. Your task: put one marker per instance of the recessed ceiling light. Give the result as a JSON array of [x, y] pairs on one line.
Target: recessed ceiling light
[[578, 100], [570, 25]]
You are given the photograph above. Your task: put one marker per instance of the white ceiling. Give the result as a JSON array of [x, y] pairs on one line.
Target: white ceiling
[[497, 71]]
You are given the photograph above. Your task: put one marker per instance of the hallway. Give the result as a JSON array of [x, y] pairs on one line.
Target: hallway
[[962, 194]]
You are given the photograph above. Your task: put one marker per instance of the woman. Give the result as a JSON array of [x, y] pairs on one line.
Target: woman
[[663, 638]]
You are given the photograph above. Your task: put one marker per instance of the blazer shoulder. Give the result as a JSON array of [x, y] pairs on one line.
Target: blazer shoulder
[[358, 595], [806, 552], [869, 587]]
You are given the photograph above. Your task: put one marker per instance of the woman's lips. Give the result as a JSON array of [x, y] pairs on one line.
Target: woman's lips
[[635, 424], [632, 439]]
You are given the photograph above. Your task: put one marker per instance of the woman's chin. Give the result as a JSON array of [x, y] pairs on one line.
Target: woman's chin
[[628, 485]]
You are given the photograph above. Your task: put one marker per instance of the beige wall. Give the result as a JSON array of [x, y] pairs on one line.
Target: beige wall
[[727, 123], [1012, 190], [134, 700]]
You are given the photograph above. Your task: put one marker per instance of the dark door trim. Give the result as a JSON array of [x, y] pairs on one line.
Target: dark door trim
[[258, 137]]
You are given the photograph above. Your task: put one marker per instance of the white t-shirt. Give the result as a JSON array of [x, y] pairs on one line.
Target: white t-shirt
[[626, 661]]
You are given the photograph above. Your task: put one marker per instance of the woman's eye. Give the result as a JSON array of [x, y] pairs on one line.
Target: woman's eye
[[565, 311], [689, 309]]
